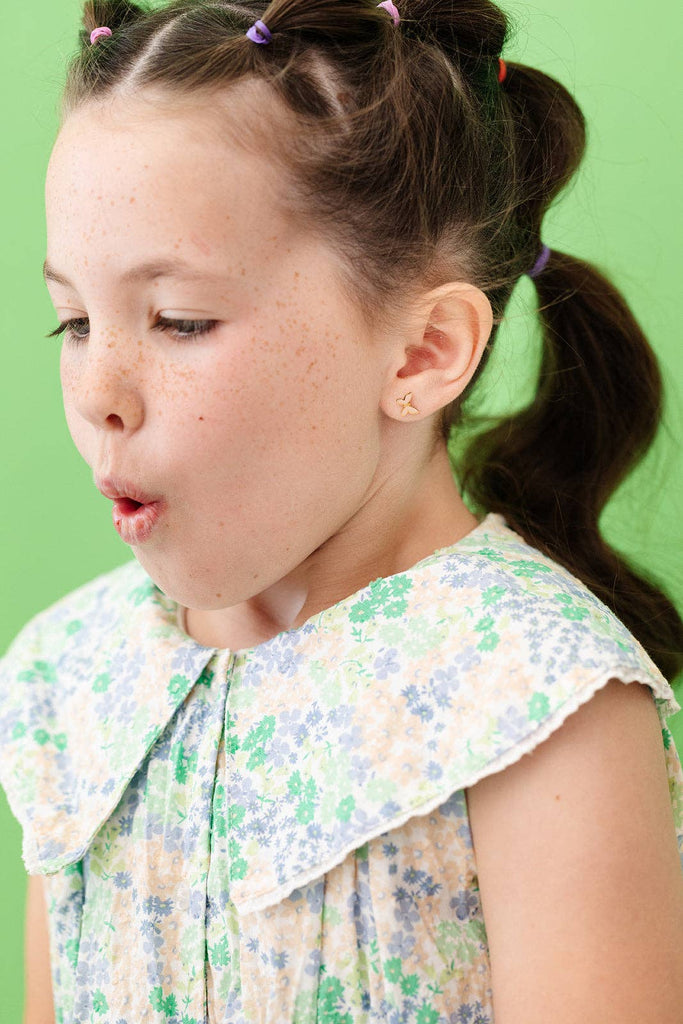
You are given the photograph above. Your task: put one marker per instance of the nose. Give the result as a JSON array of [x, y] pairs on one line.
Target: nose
[[102, 383]]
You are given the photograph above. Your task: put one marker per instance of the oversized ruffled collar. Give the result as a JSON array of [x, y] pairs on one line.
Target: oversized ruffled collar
[[377, 709]]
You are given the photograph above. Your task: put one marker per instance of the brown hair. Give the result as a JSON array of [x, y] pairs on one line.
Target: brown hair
[[400, 147]]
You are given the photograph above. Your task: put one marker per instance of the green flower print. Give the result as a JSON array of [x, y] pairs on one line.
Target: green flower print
[[41, 670], [386, 598], [393, 968], [330, 1003], [177, 685], [572, 611], [99, 1002], [528, 567], [492, 594], [184, 763], [539, 705], [102, 683], [169, 1005], [427, 1014]]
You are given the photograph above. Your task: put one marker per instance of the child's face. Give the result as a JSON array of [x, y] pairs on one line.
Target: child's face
[[263, 436]]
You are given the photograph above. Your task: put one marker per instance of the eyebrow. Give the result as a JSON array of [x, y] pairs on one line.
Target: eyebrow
[[148, 271]]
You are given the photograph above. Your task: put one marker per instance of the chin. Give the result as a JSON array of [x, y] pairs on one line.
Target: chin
[[190, 587]]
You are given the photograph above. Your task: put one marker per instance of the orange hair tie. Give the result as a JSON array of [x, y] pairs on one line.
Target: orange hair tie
[[503, 70]]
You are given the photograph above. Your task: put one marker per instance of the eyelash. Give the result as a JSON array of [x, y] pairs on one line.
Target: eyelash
[[162, 324]]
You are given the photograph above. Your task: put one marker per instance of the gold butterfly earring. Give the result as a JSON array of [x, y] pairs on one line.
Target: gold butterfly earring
[[406, 408]]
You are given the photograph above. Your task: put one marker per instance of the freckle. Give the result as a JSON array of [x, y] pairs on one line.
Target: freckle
[[219, 595], [221, 523], [557, 797], [132, 199]]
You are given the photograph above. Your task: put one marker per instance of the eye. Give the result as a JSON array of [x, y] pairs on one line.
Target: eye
[[187, 328], [181, 330], [67, 328]]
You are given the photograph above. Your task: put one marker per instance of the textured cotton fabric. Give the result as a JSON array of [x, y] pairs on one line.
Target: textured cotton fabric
[[279, 834]]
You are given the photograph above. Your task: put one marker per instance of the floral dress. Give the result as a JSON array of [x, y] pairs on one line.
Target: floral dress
[[279, 834]]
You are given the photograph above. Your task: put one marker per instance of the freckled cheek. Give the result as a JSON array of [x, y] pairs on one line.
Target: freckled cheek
[[68, 380], [76, 425], [66, 374]]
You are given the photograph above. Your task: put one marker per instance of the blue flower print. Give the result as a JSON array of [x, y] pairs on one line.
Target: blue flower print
[[157, 907], [401, 945], [352, 739], [252, 675], [314, 897], [279, 752], [184, 660], [471, 1013], [359, 768], [514, 724], [434, 771], [405, 910], [464, 904], [314, 960], [152, 935], [341, 716], [124, 712], [387, 662], [278, 960], [197, 905]]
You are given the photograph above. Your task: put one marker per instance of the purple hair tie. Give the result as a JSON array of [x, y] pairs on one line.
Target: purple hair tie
[[540, 263], [97, 32], [389, 6], [258, 29]]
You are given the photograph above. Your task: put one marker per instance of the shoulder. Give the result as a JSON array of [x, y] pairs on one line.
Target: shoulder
[[495, 574], [578, 862], [532, 629]]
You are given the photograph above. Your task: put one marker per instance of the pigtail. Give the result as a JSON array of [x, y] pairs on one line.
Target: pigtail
[[114, 14], [552, 467]]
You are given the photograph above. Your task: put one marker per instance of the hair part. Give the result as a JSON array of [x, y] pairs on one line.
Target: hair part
[[399, 147]]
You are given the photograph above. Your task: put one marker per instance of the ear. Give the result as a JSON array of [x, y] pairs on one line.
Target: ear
[[437, 361]]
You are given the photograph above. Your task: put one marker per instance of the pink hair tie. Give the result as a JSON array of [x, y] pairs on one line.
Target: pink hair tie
[[389, 6], [97, 32]]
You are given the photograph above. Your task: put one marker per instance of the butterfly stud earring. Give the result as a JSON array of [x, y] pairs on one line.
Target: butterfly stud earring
[[406, 408]]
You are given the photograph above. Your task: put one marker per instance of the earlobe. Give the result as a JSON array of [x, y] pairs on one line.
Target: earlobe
[[436, 363], [406, 405]]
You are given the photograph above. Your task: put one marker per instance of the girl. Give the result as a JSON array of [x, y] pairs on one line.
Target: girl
[[332, 747]]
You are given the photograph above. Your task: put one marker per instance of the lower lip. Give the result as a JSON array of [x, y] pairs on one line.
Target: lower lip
[[134, 525]]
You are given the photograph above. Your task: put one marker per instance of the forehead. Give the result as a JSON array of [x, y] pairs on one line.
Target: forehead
[[123, 182]]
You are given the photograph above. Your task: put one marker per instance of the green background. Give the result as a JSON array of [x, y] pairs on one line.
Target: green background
[[622, 212]]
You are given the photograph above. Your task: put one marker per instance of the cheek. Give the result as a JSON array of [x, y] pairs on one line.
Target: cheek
[[68, 377]]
